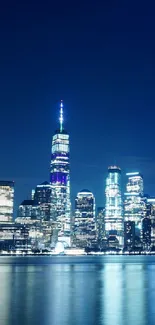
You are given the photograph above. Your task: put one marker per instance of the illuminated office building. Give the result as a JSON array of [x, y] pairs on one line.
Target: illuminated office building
[[134, 205], [42, 197], [29, 209], [13, 235], [146, 232], [6, 200], [151, 214], [129, 235], [60, 178], [84, 219], [113, 206], [100, 223]]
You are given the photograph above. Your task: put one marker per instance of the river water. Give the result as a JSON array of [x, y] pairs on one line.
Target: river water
[[106, 290]]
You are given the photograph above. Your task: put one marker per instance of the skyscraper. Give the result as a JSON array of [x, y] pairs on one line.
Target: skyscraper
[[151, 215], [134, 205], [6, 200], [60, 178], [113, 205], [42, 197], [100, 226], [84, 220], [29, 209]]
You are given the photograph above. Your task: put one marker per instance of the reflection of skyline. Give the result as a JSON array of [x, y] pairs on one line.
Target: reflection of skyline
[[5, 288], [135, 292], [112, 294], [151, 296], [100, 293]]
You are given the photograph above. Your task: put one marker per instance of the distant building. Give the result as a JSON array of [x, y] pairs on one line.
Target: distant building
[[32, 194], [84, 220], [29, 209], [134, 205], [13, 235], [6, 201], [146, 232], [113, 206], [42, 197], [60, 179], [112, 242], [129, 234], [151, 215], [100, 226]]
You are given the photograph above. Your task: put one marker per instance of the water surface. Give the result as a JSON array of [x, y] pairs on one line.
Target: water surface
[[116, 290]]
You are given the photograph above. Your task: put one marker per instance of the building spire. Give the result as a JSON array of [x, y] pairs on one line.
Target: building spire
[[61, 119]]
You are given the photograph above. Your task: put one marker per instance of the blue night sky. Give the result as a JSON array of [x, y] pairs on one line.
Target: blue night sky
[[99, 57]]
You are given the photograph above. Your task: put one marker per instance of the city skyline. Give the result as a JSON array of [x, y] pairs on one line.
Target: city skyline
[[60, 176], [77, 180], [101, 63], [60, 130]]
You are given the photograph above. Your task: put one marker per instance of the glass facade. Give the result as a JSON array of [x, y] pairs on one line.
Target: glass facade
[[6, 200], [129, 234], [60, 179], [134, 205], [100, 223], [29, 209], [113, 206], [151, 214], [146, 232], [42, 197], [84, 219]]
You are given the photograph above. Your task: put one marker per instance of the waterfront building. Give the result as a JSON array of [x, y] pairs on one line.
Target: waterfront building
[[113, 205], [13, 235], [60, 178], [84, 219], [112, 242], [151, 215], [100, 226], [6, 201], [146, 232], [134, 204], [29, 209], [42, 197], [129, 235]]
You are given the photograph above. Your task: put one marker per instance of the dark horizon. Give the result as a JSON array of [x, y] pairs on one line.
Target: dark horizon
[[98, 58]]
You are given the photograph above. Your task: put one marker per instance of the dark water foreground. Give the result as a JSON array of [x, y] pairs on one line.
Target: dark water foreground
[[107, 290]]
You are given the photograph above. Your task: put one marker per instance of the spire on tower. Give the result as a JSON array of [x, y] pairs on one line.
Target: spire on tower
[[61, 119]]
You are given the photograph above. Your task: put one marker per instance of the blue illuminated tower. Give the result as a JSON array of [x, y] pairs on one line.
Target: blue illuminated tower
[[60, 178]]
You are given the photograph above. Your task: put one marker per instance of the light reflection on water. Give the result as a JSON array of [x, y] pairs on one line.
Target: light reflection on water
[[77, 291]]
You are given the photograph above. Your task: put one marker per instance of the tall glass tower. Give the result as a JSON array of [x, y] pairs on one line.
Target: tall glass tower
[[134, 205], [113, 205], [60, 178], [84, 219], [6, 200]]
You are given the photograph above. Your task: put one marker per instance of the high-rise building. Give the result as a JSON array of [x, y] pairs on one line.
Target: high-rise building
[[42, 197], [134, 205], [100, 226], [151, 214], [29, 209], [129, 234], [6, 200], [13, 235], [146, 232], [60, 178], [113, 205], [84, 220]]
